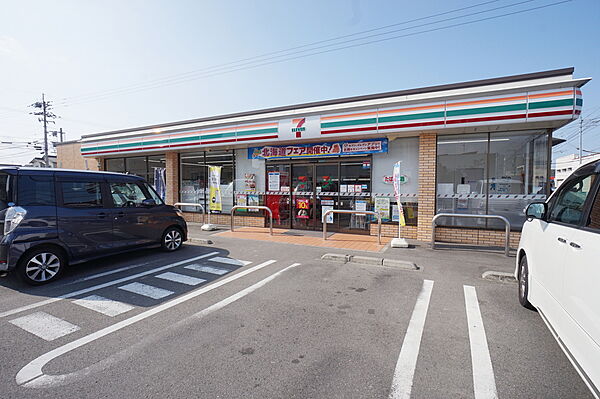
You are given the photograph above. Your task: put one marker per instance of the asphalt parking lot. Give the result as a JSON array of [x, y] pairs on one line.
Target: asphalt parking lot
[[242, 318]]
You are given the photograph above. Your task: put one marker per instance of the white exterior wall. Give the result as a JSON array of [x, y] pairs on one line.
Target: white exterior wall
[[401, 149]]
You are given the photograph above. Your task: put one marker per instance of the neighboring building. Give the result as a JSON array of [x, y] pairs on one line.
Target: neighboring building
[[564, 166], [39, 162], [479, 147]]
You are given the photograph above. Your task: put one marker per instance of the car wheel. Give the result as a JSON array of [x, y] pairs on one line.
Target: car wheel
[[41, 266], [524, 284], [172, 239]]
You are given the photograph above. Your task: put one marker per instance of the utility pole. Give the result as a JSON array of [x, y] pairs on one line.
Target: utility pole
[[61, 133], [580, 140], [45, 116], [45, 132]]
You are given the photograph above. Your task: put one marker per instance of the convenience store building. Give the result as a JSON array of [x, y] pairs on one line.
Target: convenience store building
[[479, 147]]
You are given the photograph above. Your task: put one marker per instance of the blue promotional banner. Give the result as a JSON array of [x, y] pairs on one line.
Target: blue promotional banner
[[367, 146]]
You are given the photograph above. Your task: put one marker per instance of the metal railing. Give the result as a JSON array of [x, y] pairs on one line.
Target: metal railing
[[324, 220], [466, 215], [180, 204], [265, 208]]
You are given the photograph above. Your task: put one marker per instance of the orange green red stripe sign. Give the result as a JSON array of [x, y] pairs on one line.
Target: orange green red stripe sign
[[524, 107]]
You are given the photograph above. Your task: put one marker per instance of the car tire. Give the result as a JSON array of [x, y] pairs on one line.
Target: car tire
[[41, 265], [524, 284], [172, 239]]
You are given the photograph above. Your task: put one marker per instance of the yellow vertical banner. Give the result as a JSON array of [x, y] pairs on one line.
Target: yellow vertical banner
[[214, 188]]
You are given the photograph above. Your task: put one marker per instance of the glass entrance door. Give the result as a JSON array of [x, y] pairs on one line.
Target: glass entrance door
[[303, 198], [327, 194], [278, 197]]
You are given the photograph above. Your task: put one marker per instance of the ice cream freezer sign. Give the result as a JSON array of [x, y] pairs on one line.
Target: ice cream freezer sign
[[319, 149]]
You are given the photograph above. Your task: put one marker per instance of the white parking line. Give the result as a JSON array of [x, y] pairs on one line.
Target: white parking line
[[45, 325], [32, 375], [207, 269], [230, 261], [407, 361], [146, 290], [181, 278], [484, 383], [103, 305], [104, 285]]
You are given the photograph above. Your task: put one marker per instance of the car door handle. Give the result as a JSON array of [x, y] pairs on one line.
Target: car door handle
[[575, 245], [562, 240], [102, 215], [120, 215]]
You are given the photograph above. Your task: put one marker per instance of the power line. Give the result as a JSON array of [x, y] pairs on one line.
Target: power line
[[232, 63], [229, 70]]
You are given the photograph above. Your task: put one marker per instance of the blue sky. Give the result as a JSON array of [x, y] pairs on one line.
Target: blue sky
[[97, 59]]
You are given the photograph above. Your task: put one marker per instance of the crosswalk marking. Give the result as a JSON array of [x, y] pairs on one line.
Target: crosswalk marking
[[181, 278], [484, 383], [44, 325], [230, 261], [409, 353], [146, 290], [103, 305], [207, 269]]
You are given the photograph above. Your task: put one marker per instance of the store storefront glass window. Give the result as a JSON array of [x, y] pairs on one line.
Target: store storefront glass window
[[493, 174], [194, 177], [140, 166]]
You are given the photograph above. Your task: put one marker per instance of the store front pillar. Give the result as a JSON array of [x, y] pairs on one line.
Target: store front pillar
[[172, 177], [427, 176]]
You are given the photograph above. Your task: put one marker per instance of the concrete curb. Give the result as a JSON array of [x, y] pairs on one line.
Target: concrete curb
[[499, 276], [370, 260], [201, 241]]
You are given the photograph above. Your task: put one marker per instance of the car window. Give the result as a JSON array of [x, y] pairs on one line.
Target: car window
[[127, 194], [36, 191], [594, 218], [81, 194], [3, 191], [568, 207], [153, 194]]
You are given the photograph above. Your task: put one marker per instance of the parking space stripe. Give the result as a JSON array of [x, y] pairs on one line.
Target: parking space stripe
[[207, 269], [181, 278], [484, 383], [44, 325], [32, 375], [146, 290], [407, 361], [104, 285], [230, 261], [103, 305]]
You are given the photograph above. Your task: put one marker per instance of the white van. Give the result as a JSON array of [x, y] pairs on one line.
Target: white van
[[558, 268]]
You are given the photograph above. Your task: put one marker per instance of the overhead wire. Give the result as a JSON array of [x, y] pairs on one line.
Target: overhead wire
[[232, 63], [230, 70]]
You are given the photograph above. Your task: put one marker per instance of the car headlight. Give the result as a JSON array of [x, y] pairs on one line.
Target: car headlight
[[14, 216]]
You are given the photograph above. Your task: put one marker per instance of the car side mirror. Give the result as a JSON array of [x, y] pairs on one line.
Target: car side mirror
[[148, 202], [536, 210]]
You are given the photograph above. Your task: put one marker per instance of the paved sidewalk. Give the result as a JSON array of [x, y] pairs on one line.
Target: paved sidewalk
[[315, 239]]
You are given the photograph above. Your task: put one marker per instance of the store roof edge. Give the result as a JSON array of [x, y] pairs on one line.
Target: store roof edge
[[406, 92]]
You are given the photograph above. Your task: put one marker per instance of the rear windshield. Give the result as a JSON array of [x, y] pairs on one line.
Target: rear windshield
[[4, 200]]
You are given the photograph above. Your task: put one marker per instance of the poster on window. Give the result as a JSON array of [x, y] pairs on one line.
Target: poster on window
[[273, 181], [214, 182], [329, 217], [302, 208], [382, 208], [249, 181], [240, 199], [253, 201], [360, 205]]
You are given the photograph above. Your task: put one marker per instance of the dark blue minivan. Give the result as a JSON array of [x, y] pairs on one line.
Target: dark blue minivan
[[53, 217]]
